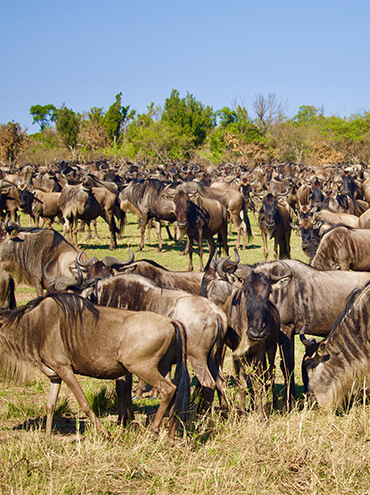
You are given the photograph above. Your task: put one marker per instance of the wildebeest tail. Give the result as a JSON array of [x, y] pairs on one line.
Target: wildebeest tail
[[181, 378], [121, 217], [10, 296], [246, 220]]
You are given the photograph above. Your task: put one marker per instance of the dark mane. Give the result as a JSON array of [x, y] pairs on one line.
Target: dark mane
[[71, 305], [154, 186], [352, 298]]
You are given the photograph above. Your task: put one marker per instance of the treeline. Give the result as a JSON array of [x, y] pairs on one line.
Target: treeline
[[185, 129]]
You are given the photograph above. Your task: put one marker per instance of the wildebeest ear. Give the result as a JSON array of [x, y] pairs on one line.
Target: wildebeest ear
[[294, 226], [234, 280], [281, 282], [321, 351]]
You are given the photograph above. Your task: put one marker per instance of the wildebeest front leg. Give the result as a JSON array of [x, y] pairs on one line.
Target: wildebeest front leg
[[264, 245], [157, 224], [286, 345], [51, 403], [67, 375], [125, 406], [144, 221]]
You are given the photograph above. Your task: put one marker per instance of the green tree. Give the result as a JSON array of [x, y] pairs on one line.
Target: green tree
[[43, 115], [115, 118], [13, 141], [188, 117], [307, 114], [67, 124], [234, 131]]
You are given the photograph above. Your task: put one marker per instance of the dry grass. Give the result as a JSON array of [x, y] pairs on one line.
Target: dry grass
[[305, 451]]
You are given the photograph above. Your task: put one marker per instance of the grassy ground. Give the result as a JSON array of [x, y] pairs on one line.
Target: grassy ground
[[305, 451]]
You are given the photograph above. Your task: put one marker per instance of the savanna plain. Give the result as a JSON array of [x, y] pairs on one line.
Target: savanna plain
[[302, 451]]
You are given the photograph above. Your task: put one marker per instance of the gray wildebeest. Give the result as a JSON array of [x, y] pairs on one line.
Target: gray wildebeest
[[25, 252], [312, 296], [148, 196], [337, 367], [200, 218], [343, 248], [275, 222], [65, 334], [205, 324], [254, 325]]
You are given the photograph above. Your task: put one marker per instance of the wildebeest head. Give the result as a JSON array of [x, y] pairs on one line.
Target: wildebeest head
[[269, 207], [182, 202], [314, 355], [257, 289]]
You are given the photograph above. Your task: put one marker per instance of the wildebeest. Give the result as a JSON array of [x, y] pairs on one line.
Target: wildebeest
[[343, 248], [254, 323], [274, 221], [147, 195], [307, 295], [205, 324], [200, 218], [85, 203], [188, 281], [25, 252], [312, 296], [64, 334], [40, 204], [334, 365]]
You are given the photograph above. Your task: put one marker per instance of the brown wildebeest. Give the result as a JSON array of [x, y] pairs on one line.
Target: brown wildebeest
[[254, 324], [275, 221], [25, 252], [205, 324], [65, 334], [343, 248], [201, 218]]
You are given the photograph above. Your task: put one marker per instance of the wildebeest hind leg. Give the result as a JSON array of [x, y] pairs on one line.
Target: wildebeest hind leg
[[51, 403], [125, 406]]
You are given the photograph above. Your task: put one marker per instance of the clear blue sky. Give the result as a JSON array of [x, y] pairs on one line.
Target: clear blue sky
[[82, 53]]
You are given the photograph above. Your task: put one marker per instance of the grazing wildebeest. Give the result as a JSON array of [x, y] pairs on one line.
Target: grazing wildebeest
[[333, 366], [254, 324], [147, 195], [200, 218], [343, 248], [205, 324], [274, 221], [25, 252], [65, 334]]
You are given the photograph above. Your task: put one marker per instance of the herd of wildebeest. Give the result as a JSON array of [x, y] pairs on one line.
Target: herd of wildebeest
[[115, 318]]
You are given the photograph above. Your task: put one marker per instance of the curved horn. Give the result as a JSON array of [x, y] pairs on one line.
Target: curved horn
[[305, 341], [110, 260], [285, 193], [220, 266], [85, 265]]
